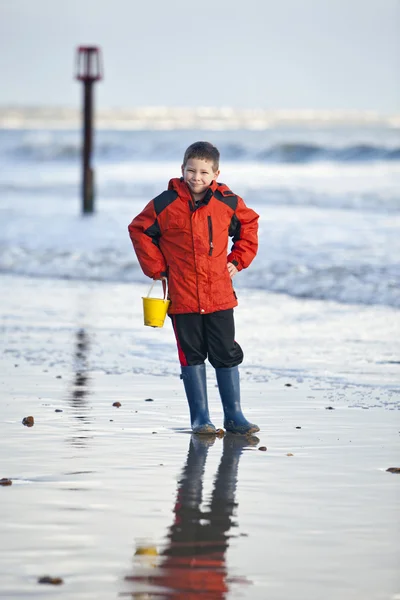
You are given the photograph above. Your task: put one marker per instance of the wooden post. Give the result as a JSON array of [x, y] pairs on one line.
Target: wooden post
[[88, 70]]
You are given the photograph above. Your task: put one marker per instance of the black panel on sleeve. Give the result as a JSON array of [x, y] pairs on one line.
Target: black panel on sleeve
[[163, 200], [154, 232], [231, 201], [234, 228]]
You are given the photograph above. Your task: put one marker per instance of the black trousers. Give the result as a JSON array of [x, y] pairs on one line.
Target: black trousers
[[212, 335]]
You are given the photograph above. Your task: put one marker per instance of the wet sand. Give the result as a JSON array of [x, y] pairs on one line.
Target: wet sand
[[125, 503], [94, 483]]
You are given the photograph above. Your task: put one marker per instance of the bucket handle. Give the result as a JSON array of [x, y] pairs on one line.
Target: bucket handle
[[165, 287]]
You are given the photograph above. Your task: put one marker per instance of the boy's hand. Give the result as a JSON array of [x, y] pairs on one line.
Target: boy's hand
[[232, 269]]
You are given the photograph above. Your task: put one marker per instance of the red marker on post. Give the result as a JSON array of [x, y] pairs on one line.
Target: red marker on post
[[89, 69]]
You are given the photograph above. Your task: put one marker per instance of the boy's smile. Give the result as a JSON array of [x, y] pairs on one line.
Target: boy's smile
[[199, 173]]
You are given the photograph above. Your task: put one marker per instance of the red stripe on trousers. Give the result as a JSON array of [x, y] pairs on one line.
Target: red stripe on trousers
[[182, 357]]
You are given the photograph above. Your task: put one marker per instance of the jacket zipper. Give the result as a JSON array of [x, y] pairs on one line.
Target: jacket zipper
[[210, 235], [194, 257]]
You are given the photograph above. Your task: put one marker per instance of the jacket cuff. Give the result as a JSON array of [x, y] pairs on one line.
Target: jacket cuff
[[159, 275], [236, 263]]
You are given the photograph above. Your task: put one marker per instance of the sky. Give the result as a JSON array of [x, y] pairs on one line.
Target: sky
[[270, 54]]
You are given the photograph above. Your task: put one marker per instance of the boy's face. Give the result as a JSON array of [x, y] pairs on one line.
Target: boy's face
[[198, 173]]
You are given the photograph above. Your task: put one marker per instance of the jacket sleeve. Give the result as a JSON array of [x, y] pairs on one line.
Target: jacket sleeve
[[145, 233], [244, 231]]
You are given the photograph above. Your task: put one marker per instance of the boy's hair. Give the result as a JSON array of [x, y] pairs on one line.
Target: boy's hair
[[203, 150]]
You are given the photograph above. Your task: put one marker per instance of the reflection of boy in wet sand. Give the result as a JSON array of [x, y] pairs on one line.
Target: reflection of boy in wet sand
[[183, 235], [193, 564]]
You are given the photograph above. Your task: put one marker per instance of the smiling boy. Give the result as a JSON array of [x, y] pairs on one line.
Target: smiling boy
[[183, 235]]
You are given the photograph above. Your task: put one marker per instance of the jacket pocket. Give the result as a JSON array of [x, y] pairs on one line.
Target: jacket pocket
[[210, 235], [172, 223]]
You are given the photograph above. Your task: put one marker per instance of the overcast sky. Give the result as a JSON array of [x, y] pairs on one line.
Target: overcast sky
[[290, 54]]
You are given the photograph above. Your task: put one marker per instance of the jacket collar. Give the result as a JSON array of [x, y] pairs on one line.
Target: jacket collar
[[182, 189]]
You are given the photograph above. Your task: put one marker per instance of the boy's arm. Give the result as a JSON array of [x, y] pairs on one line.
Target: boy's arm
[[145, 233], [244, 230]]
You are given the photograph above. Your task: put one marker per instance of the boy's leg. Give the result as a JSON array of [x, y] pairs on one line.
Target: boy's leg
[[221, 347], [190, 338], [192, 350], [225, 355]]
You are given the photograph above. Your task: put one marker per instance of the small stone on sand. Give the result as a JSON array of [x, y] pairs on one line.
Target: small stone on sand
[[51, 580], [117, 404], [28, 421]]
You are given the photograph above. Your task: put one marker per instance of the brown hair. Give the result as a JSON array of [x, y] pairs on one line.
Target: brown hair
[[203, 150]]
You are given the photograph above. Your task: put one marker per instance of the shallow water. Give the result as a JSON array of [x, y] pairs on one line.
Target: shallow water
[[327, 198], [348, 346]]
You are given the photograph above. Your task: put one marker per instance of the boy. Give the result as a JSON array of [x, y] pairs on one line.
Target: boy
[[183, 235]]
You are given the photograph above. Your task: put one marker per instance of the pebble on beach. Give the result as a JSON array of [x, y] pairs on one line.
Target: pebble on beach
[[5, 481], [28, 421], [393, 470], [51, 580], [117, 404]]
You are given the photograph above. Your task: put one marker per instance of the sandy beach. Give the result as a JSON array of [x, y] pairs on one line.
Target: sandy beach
[[119, 502]]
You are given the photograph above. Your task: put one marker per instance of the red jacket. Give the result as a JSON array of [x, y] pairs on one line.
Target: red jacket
[[172, 237]]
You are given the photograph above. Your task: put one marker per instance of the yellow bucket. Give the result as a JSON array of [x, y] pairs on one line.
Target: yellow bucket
[[155, 309]]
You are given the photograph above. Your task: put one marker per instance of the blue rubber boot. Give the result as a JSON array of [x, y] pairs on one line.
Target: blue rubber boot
[[229, 390], [194, 380]]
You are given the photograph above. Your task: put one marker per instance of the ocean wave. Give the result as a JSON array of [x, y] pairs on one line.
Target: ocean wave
[[285, 152], [59, 151], [99, 264], [386, 201], [299, 153], [356, 284]]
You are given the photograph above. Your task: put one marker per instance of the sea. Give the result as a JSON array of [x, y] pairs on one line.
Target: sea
[[327, 191]]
